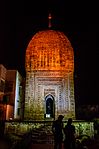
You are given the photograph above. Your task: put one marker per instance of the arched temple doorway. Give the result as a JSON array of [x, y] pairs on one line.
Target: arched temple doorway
[[49, 106]]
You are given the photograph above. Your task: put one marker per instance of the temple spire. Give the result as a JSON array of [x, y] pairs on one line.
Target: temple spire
[[49, 20]]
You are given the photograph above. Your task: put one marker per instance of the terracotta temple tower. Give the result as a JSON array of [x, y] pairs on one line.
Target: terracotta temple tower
[[49, 77]]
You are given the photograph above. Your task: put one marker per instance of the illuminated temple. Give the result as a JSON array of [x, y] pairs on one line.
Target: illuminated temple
[[49, 77]]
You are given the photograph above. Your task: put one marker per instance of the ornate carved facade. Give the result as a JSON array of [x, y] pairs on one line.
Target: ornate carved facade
[[49, 76]]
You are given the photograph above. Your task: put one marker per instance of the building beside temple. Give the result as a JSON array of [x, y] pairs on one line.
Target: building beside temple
[[49, 86], [11, 94], [49, 77], [49, 82]]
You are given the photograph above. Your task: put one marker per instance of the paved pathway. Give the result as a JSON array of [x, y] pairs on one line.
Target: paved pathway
[[4, 144], [42, 146]]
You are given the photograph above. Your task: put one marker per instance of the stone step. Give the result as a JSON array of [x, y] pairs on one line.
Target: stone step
[[42, 135]]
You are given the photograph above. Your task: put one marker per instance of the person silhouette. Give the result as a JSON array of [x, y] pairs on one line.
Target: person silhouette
[[69, 131], [57, 129]]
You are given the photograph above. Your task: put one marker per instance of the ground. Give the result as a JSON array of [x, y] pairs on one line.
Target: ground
[[5, 144]]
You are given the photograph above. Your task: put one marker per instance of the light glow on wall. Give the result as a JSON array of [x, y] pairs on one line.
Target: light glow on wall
[[16, 97], [9, 112]]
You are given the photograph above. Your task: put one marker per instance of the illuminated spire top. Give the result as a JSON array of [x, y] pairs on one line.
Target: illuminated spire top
[[49, 22]]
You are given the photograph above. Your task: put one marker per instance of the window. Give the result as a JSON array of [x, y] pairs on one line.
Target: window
[[9, 86], [18, 111], [2, 85]]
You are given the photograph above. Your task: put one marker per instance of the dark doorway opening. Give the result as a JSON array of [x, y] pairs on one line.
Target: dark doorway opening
[[50, 108]]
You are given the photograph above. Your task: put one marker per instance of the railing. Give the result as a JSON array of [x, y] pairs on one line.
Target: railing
[[21, 127]]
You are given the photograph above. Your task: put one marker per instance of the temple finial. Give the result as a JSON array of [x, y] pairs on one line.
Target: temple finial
[[49, 18]]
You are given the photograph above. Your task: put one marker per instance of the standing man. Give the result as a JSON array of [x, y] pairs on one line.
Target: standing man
[[57, 129], [69, 132]]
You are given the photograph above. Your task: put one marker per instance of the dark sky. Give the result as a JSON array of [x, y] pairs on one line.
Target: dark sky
[[79, 22]]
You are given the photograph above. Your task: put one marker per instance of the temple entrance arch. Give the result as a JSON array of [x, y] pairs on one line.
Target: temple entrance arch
[[49, 106]]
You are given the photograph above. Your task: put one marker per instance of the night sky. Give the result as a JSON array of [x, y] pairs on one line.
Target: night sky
[[20, 21]]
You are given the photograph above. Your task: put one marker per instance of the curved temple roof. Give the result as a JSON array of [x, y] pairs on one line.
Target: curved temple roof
[[49, 50]]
